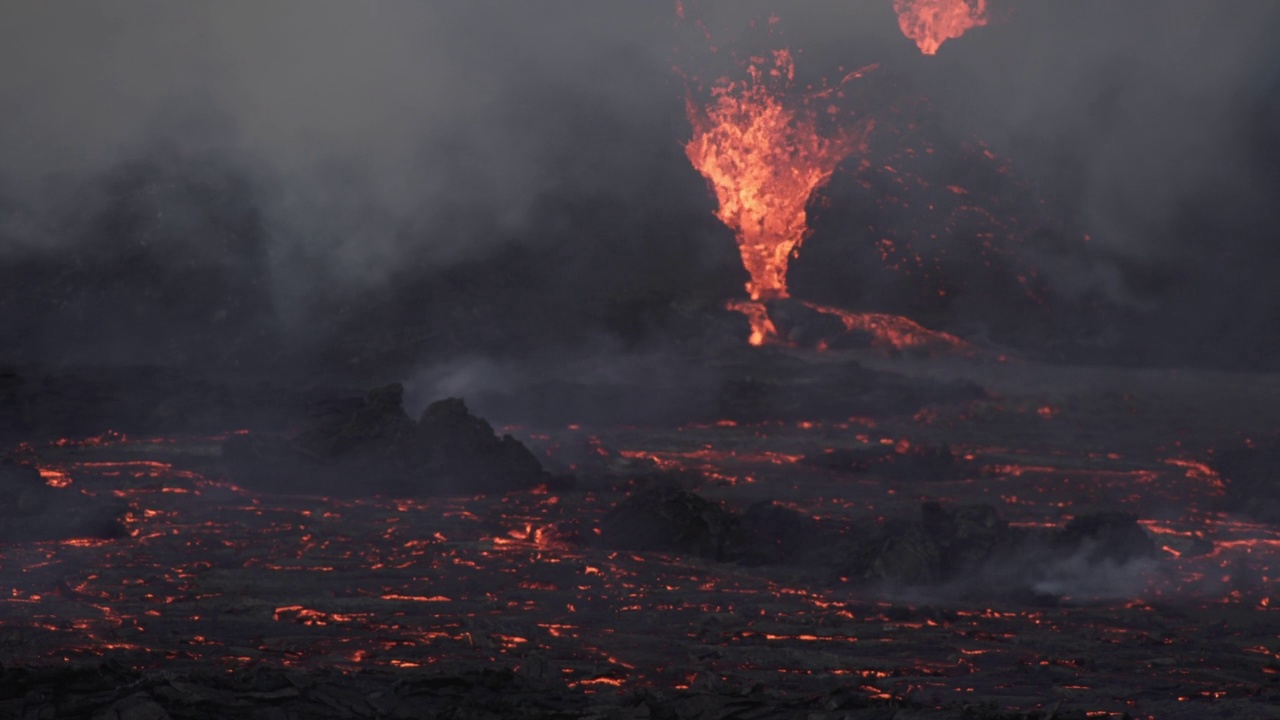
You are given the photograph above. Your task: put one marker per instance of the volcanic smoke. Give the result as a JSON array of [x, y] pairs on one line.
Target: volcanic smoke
[[763, 157], [932, 22]]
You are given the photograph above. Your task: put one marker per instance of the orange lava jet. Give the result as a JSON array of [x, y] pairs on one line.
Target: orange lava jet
[[763, 157], [932, 22]]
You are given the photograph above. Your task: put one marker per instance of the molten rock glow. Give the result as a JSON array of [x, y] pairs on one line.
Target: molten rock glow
[[762, 327], [932, 22], [896, 332], [763, 157]]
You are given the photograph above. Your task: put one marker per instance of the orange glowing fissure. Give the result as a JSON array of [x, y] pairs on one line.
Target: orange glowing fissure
[[932, 22], [763, 156], [896, 332]]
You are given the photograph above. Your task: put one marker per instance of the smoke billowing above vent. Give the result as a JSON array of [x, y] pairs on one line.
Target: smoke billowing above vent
[[252, 175]]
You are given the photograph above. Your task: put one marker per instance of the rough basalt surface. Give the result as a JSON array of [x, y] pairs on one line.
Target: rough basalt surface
[[1105, 536], [31, 510], [777, 534], [970, 548], [673, 520], [913, 463], [47, 403], [1252, 477], [109, 692], [360, 447]]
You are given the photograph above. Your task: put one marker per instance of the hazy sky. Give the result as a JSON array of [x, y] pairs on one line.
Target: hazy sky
[[432, 129], [303, 82]]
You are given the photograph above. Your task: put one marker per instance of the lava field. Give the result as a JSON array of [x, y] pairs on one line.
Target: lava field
[[542, 584]]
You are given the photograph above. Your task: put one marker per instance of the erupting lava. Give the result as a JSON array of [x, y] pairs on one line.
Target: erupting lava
[[932, 22], [763, 158]]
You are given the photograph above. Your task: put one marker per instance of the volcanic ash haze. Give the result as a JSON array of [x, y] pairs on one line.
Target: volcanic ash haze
[[478, 177]]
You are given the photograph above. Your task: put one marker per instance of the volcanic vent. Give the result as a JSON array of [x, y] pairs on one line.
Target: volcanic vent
[[912, 221], [764, 156]]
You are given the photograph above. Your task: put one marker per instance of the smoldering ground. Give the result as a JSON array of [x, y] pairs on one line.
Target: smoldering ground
[[372, 185]]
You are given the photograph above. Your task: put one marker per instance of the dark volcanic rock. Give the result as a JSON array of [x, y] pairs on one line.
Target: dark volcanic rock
[[38, 404], [907, 556], [1114, 536], [378, 425], [23, 490], [969, 550], [372, 446], [850, 460], [10, 383], [973, 551], [31, 510], [775, 534], [1252, 478], [459, 445], [806, 327], [919, 462], [672, 520], [968, 535], [460, 693], [943, 545], [776, 384], [662, 517]]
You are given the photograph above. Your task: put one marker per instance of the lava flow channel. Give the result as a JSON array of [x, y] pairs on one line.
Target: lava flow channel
[[932, 22], [759, 146]]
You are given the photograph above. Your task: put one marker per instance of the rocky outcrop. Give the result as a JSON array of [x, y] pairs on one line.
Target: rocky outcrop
[[970, 548], [972, 544], [774, 534], [1251, 474], [1105, 536], [673, 520], [32, 510], [367, 446], [910, 463]]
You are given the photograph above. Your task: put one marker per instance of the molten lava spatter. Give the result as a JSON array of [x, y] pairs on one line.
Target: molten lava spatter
[[763, 156], [762, 328], [895, 332], [932, 22]]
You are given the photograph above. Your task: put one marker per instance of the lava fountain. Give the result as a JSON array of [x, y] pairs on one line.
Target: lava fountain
[[759, 146], [932, 22]]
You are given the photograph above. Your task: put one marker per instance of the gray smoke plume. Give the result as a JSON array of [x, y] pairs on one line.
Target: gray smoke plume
[[294, 165]]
